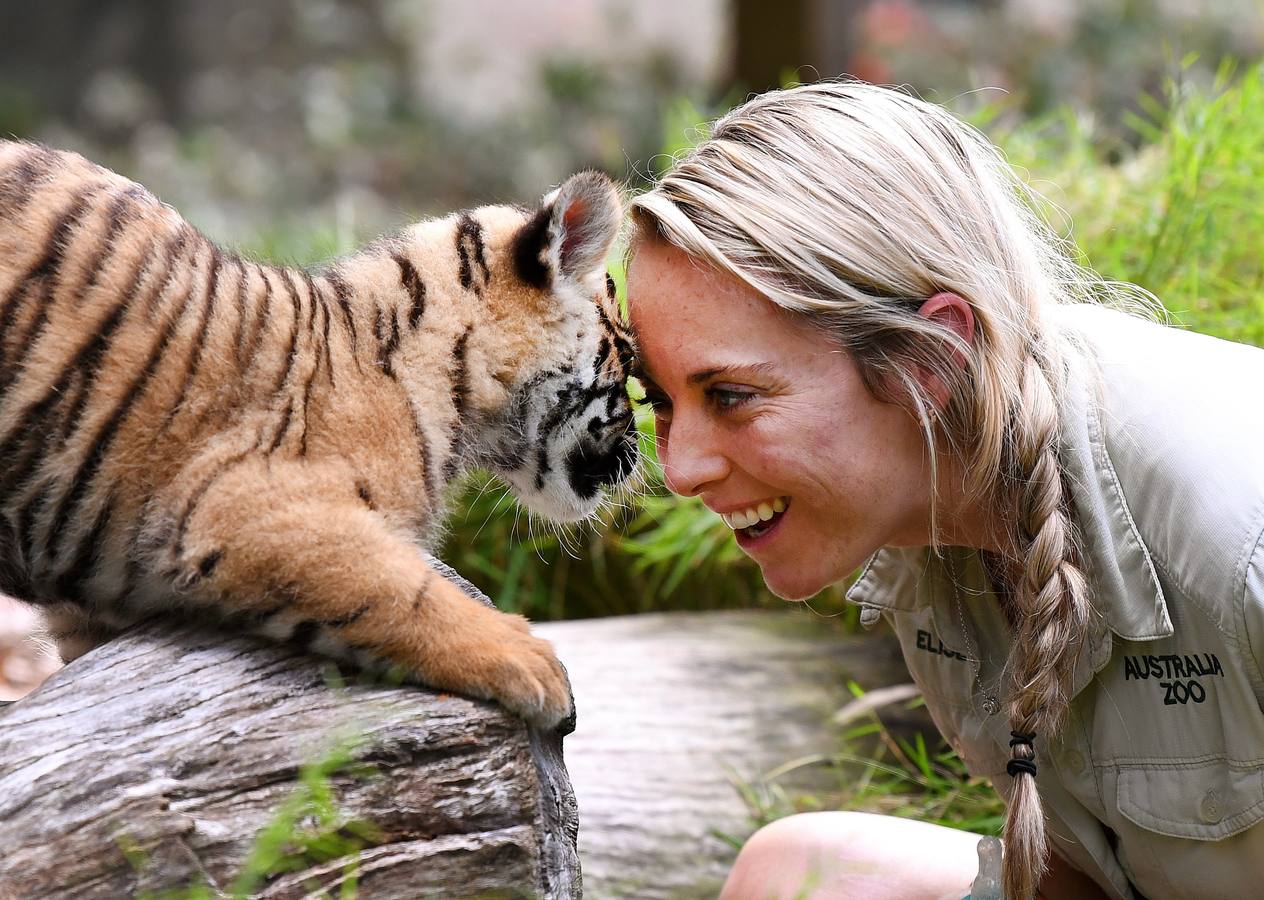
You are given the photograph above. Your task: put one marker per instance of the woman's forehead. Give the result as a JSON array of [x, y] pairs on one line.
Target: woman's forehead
[[714, 341], [668, 287], [693, 323], [677, 311]]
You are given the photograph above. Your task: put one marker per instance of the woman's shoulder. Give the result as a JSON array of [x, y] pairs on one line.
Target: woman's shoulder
[[1179, 419]]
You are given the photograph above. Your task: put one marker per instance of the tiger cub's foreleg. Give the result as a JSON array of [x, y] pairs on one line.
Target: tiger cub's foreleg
[[298, 553], [73, 632]]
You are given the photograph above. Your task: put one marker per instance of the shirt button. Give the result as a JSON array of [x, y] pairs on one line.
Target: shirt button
[[991, 705], [1211, 810]]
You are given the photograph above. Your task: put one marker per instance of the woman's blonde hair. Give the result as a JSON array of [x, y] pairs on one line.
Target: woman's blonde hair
[[852, 204]]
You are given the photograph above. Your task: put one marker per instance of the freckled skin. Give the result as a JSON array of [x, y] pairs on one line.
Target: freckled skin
[[854, 467]]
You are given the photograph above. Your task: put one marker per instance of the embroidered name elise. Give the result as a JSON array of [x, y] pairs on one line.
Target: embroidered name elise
[[931, 644], [1180, 670]]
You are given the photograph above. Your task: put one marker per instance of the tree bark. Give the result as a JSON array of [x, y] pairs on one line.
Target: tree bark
[[153, 762]]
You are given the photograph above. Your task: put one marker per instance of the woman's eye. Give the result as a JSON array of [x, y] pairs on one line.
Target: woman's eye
[[728, 398]]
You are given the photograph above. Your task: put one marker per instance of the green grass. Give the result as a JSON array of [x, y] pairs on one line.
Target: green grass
[[875, 770], [309, 828], [1182, 215]]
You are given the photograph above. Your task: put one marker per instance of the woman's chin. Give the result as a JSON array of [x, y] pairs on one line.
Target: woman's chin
[[793, 586]]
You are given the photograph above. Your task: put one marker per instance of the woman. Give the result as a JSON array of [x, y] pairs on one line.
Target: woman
[[860, 343]]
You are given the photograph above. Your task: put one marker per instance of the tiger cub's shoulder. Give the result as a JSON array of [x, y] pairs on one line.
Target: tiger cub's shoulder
[[28, 169], [45, 190]]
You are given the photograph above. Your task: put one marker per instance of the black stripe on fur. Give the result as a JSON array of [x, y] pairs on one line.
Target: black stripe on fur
[[49, 263], [207, 307], [284, 374], [471, 253], [416, 288], [529, 247], [96, 455]]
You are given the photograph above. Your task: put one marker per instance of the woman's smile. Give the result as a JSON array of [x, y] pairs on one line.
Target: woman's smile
[[752, 522], [761, 533], [769, 422]]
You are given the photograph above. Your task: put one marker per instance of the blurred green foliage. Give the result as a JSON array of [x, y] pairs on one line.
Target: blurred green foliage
[[1183, 214], [1178, 210], [310, 828]]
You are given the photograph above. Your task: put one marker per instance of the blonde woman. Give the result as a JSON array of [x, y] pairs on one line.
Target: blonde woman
[[861, 344]]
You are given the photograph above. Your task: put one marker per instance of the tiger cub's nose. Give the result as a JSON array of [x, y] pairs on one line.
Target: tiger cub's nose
[[605, 461]]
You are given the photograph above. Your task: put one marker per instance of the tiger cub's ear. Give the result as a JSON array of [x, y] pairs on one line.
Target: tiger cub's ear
[[571, 235]]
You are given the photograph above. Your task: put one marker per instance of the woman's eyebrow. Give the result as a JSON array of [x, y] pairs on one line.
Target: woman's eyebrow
[[732, 370], [760, 368]]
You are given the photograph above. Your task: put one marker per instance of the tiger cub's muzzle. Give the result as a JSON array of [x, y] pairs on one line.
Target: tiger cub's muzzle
[[604, 456]]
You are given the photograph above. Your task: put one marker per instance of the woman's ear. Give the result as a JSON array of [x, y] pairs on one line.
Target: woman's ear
[[953, 312], [571, 235]]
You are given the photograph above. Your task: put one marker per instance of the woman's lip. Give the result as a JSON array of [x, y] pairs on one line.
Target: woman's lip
[[748, 543]]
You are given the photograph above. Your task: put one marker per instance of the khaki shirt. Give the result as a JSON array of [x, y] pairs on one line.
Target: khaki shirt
[[1155, 785]]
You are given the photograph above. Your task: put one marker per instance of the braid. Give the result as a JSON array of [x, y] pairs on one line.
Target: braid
[[1049, 615], [852, 204]]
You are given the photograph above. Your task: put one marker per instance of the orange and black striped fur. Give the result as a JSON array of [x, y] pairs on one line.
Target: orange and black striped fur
[[185, 430]]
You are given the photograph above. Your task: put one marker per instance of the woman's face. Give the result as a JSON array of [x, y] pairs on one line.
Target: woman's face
[[758, 412]]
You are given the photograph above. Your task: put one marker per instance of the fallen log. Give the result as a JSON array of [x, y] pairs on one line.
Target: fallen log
[[153, 762], [677, 711]]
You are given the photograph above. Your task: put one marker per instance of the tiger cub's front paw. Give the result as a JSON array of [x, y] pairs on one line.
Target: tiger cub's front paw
[[496, 657], [528, 680]]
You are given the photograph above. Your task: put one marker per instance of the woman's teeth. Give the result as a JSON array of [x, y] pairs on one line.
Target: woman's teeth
[[744, 518]]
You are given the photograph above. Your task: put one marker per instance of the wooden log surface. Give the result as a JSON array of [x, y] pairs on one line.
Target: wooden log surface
[[676, 708], [178, 746], [673, 710]]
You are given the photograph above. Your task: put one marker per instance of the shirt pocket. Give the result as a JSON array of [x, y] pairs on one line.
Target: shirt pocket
[[1202, 801], [1191, 829]]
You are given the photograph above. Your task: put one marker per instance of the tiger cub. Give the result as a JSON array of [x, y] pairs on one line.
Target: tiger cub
[[186, 430]]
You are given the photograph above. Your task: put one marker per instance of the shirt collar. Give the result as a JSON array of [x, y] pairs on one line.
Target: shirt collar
[[1126, 588]]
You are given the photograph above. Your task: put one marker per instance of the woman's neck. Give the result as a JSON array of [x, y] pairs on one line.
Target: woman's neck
[[967, 520]]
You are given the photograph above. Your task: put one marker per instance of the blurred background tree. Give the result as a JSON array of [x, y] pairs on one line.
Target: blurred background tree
[[296, 128]]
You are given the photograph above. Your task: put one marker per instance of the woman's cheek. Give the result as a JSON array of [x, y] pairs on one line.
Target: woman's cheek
[[790, 457], [771, 461]]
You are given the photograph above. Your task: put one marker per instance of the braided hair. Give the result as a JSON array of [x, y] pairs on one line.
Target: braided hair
[[850, 205]]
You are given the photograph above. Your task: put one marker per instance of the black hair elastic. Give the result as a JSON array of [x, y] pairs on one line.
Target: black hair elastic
[[1025, 738], [1017, 766]]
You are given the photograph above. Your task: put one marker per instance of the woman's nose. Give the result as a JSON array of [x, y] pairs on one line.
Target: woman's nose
[[691, 459]]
